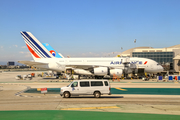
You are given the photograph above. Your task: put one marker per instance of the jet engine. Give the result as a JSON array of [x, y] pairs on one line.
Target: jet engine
[[117, 72], [101, 71]]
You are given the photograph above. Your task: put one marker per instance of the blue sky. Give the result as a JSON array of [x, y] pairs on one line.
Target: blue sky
[[86, 28]]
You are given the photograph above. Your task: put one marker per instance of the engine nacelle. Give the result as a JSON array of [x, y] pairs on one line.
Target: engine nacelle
[[101, 71], [117, 72]]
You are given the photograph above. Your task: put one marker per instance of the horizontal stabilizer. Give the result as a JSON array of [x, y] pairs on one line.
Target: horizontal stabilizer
[[31, 63]]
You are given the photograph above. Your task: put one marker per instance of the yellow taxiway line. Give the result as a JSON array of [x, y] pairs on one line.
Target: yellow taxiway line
[[84, 108], [121, 89]]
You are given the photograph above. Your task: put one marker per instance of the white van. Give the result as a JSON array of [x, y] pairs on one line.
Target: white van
[[86, 87]]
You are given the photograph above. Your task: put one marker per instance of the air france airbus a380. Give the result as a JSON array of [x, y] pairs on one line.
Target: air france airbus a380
[[46, 57]]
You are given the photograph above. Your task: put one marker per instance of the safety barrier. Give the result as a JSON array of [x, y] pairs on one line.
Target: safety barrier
[[159, 78], [170, 79], [178, 79]]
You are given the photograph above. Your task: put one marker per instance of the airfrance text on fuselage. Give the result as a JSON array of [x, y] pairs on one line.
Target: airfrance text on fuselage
[[132, 62]]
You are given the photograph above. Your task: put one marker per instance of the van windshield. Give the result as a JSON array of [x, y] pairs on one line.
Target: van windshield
[[70, 84]]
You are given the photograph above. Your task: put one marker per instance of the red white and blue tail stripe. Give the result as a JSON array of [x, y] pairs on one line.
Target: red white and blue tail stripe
[[35, 47]]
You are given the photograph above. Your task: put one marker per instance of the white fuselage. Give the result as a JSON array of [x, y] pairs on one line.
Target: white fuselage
[[60, 64]]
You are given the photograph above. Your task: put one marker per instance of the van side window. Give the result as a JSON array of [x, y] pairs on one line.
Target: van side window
[[75, 84], [106, 83], [96, 83], [84, 84]]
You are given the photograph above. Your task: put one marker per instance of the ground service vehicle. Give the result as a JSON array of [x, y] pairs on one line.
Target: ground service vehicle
[[86, 87]]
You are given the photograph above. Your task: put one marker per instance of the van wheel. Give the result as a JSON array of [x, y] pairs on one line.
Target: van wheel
[[97, 95], [66, 95]]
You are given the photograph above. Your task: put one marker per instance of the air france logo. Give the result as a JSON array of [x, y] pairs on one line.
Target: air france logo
[[53, 52], [145, 63], [132, 62]]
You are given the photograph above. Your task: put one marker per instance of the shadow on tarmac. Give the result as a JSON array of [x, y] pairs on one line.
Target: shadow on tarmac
[[97, 98], [50, 78]]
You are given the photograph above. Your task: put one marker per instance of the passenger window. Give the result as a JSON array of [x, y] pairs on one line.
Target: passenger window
[[75, 84], [106, 83], [96, 83], [84, 84]]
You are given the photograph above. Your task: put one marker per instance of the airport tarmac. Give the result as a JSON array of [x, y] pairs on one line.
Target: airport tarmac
[[12, 97]]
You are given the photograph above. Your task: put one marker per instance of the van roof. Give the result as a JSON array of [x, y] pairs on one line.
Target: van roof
[[90, 80]]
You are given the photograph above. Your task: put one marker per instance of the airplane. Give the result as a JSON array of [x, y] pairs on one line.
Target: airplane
[[46, 57]]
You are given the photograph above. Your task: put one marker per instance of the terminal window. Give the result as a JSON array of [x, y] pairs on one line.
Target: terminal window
[[160, 57]]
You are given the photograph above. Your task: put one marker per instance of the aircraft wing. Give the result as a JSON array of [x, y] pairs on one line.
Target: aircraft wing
[[31, 63]]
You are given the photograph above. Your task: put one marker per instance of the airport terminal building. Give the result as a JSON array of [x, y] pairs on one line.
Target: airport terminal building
[[169, 57]]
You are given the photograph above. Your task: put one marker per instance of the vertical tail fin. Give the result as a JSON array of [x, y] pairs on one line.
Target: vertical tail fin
[[51, 50], [35, 47]]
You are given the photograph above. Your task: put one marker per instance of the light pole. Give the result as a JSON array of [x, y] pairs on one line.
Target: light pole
[[135, 43]]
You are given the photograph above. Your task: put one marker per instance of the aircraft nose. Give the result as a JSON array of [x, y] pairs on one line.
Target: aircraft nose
[[161, 68]]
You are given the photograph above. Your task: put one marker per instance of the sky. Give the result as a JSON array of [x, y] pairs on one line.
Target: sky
[[87, 28]]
